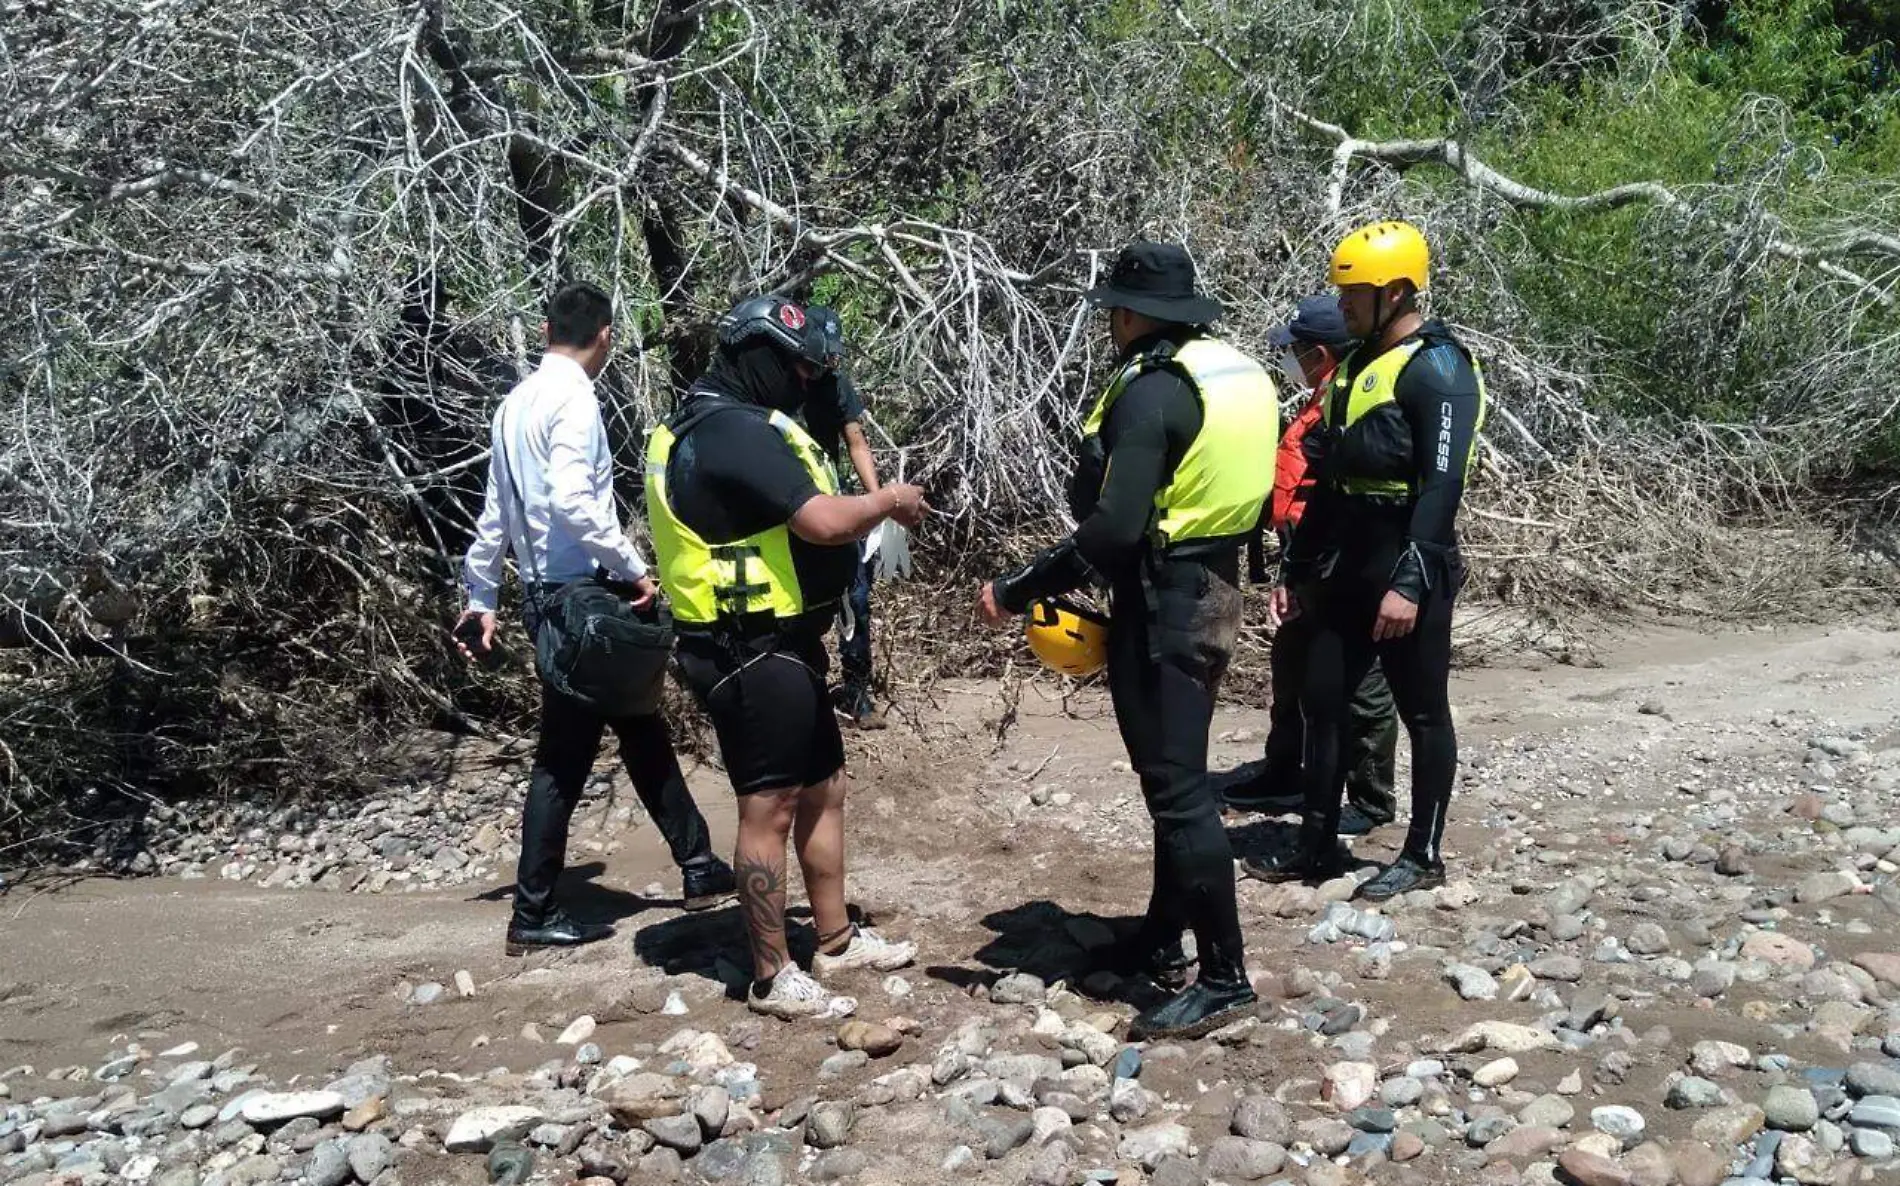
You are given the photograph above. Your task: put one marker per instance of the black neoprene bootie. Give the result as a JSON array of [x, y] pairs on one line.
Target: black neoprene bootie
[[1219, 996], [1402, 876]]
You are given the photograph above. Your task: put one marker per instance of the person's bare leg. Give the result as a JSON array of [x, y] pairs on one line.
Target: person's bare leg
[[765, 820], [818, 836]]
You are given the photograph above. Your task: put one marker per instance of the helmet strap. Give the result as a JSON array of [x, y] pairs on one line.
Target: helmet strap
[[1379, 319], [1382, 322]]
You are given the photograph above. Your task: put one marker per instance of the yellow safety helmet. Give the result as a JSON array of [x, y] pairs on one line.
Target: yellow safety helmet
[[1380, 253], [1067, 638]]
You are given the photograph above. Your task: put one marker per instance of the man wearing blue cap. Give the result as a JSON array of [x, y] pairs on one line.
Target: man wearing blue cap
[[1311, 346]]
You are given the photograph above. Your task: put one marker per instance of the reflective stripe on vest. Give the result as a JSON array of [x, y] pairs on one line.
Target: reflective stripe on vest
[[706, 582], [1226, 475], [1373, 388]]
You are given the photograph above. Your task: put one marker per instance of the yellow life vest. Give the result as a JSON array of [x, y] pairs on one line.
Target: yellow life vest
[[706, 582], [1373, 388], [1227, 473]]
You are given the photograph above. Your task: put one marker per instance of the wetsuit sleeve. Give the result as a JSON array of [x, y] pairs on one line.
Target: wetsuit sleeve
[[1307, 540], [1145, 435], [1438, 393], [1257, 549], [1055, 570]]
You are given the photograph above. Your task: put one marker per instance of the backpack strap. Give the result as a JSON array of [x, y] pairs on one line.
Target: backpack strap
[[703, 407]]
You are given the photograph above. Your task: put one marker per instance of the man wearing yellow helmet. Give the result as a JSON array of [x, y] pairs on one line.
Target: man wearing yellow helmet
[[1375, 558], [1175, 466]]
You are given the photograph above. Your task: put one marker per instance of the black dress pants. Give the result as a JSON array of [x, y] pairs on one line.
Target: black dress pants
[[563, 758]]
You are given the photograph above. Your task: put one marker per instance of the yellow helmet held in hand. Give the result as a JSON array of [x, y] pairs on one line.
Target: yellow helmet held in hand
[[1067, 638], [1381, 252]]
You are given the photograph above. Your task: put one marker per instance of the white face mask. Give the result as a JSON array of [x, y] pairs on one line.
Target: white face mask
[[1291, 368]]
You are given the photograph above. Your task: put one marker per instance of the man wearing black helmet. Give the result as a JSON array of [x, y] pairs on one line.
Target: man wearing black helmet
[[755, 549], [1176, 462]]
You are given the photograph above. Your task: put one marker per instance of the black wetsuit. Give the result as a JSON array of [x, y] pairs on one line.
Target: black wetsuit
[[1350, 550], [1171, 632]]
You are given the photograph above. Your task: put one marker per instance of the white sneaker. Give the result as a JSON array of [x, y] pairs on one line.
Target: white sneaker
[[795, 994], [867, 949]]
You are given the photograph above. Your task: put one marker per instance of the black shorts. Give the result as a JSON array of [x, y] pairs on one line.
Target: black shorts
[[774, 720]]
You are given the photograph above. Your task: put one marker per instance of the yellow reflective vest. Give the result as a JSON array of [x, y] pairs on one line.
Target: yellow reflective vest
[[1376, 387], [706, 582], [1227, 473]]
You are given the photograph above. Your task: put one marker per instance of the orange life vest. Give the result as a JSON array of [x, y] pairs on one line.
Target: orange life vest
[[1291, 484]]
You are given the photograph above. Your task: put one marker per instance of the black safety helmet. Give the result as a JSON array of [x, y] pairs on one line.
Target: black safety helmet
[[830, 329], [783, 323]]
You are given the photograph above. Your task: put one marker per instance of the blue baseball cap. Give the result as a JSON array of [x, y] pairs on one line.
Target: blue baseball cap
[[1316, 320]]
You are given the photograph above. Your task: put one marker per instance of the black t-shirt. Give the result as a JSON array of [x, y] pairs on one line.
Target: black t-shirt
[[733, 476], [833, 403]]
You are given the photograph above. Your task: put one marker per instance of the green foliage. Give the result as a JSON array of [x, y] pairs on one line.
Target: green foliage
[[1614, 284], [1387, 80], [1797, 51], [1760, 113]]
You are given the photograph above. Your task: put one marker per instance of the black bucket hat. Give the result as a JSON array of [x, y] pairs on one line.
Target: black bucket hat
[[1156, 280]]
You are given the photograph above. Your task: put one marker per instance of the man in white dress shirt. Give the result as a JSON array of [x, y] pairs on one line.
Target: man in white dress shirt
[[550, 501]]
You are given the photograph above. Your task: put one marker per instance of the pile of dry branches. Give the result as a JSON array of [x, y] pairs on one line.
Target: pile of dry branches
[[267, 266]]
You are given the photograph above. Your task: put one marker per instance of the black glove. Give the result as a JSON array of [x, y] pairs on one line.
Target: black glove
[[1055, 570], [1257, 548]]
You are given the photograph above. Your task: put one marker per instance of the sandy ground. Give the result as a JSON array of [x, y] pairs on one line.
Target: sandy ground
[[947, 847]]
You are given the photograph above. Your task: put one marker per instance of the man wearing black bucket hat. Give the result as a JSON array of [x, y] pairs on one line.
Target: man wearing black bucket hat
[[1189, 425]]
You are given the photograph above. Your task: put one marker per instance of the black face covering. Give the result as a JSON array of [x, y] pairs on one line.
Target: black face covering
[[758, 373]]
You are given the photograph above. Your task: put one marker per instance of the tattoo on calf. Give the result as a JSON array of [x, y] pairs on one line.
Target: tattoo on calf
[[762, 899]]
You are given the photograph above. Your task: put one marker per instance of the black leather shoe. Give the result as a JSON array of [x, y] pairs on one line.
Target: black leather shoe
[[1356, 821], [1301, 864], [705, 884], [1402, 877], [1199, 1009], [558, 931]]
